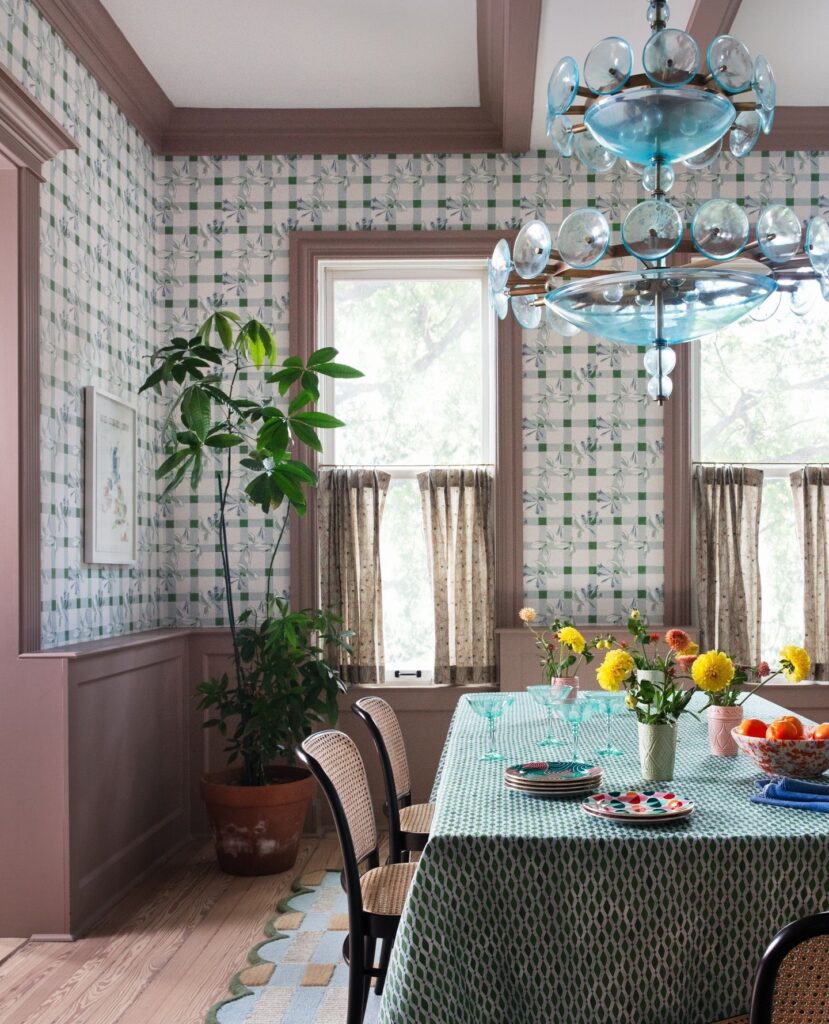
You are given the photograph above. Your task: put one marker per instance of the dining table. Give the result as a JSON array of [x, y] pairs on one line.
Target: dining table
[[530, 911]]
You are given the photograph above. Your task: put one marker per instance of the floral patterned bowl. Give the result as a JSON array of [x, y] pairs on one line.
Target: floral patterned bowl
[[799, 759]]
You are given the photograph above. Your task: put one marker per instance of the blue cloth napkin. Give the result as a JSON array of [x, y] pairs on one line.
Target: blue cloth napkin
[[799, 794]]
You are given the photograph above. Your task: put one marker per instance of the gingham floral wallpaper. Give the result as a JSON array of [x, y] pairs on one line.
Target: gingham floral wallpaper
[[593, 444], [136, 247], [97, 326]]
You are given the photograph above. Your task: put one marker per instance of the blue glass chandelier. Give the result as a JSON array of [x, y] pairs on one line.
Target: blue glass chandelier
[[690, 281]]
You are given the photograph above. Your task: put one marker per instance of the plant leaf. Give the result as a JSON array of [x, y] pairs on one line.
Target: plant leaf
[[338, 370]]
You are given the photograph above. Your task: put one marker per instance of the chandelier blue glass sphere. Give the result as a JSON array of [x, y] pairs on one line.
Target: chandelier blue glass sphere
[[690, 280]]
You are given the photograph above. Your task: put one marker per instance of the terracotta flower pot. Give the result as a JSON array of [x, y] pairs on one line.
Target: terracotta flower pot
[[257, 828], [720, 723], [657, 751], [571, 681]]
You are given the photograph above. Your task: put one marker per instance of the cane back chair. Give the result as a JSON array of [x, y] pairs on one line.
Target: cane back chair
[[409, 824], [792, 982], [377, 895]]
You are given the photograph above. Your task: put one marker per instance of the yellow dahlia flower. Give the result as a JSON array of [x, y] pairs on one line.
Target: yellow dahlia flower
[[614, 670], [528, 615], [690, 650], [571, 638], [800, 661], [712, 671]]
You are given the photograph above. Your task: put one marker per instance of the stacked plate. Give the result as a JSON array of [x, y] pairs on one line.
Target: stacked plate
[[554, 780], [635, 807]]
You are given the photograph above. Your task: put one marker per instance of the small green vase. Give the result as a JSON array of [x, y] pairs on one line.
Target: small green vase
[[657, 751]]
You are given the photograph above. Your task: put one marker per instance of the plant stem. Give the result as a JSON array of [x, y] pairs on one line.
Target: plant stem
[[269, 571]]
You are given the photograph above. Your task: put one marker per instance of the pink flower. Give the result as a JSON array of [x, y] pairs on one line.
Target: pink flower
[[685, 661], [677, 639], [763, 670]]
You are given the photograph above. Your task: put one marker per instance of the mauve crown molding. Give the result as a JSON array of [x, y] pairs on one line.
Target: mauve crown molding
[[798, 128], [89, 30], [29, 135], [246, 131]]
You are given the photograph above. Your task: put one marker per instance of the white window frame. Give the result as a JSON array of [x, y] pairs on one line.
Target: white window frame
[[425, 269], [771, 470]]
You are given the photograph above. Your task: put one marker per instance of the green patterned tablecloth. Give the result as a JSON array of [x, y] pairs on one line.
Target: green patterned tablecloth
[[527, 911]]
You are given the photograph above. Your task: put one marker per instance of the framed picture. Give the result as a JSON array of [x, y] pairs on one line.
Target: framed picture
[[109, 479]]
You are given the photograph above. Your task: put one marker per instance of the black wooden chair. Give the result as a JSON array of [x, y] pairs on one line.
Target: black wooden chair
[[409, 824], [375, 897], [792, 982]]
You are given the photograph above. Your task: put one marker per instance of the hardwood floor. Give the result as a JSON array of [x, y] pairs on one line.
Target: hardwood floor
[[162, 956]]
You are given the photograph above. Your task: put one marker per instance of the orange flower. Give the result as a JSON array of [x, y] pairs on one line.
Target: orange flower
[[677, 639], [654, 637], [685, 661]]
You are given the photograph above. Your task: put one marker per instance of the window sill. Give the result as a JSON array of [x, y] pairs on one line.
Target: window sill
[[413, 696]]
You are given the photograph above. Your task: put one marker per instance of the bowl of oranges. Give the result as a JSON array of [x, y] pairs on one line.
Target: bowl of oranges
[[785, 746]]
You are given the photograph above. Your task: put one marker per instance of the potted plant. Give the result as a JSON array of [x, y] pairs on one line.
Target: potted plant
[[654, 690], [563, 649], [281, 684], [725, 705]]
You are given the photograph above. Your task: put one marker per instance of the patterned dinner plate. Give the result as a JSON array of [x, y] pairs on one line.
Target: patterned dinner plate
[[638, 805], [590, 783], [550, 794], [554, 771]]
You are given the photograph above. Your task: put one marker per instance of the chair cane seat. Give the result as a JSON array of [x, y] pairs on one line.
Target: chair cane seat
[[385, 889], [417, 819]]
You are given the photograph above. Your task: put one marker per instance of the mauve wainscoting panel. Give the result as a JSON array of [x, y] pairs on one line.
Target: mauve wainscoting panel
[[128, 767]]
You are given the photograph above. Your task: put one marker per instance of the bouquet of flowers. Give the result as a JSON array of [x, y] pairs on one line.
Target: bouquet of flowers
[[709, 673], [647, 670], [563, 648]]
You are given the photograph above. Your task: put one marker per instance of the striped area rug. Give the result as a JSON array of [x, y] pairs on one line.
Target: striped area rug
[[297, 975]]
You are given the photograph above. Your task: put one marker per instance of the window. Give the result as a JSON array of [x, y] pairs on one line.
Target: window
[[423, 334], [761, 401]]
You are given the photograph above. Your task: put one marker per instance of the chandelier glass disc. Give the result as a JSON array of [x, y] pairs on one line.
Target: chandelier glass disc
[[532, 249], [817, 245], [563, 86], [526, 312], [608, 66], [500, 264], [693, 302], [778, 233], [730, 64], [670, 58], [583, 238], [652, 230], [744, 133], [720, 229]]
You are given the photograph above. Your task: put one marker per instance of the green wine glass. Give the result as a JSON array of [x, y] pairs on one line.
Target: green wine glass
[[548, 698], [574, 713], [490, 706], [610, 705]]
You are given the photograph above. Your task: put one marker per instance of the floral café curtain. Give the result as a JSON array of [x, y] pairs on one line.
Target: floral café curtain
[[727, 508], [458, 517], [810, 490], [349, 509]]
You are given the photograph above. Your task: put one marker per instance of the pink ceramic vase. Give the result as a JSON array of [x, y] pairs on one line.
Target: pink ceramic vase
[[571, 681], [720, 723]]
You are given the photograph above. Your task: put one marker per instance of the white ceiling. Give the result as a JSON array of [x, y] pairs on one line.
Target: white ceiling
[[418, 53], [306, 53], [794, 38]]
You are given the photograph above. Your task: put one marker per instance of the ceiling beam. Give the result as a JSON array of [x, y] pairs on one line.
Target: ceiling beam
[[89, 31], [711, 18], [508, 33]]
